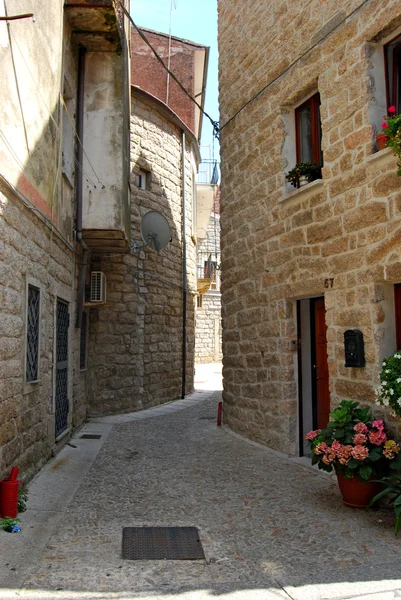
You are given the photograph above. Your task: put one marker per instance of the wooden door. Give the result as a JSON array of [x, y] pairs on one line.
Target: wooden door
[[320, 368]]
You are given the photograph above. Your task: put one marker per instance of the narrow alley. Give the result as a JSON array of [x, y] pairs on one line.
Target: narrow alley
[[263, 519]]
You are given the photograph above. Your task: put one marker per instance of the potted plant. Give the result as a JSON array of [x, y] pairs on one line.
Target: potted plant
[[391, 127], [358, 449], [304, 173], [389, 390], [393, 490]]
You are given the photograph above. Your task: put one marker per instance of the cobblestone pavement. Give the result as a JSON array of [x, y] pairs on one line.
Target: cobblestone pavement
[[270, 528]]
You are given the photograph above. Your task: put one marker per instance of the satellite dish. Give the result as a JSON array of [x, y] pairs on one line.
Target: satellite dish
[[155, 230]]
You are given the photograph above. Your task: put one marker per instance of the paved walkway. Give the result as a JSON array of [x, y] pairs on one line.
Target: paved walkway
[[271, 529]]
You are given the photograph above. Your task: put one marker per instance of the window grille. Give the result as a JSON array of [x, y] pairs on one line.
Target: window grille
[[84, 329], [32, 342]]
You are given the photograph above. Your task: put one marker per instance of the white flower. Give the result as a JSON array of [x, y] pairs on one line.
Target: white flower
[[387, 371], [391, 391], [399, 380], [399, 401]]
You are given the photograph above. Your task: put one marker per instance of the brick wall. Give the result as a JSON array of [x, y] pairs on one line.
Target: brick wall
[[148, 73], [338, 238], [136, 342]]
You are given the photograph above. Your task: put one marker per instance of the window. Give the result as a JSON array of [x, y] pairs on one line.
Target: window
[[308, 131], [199, 300], [142, 180], [392, 55], [32, 328], [83, 340]]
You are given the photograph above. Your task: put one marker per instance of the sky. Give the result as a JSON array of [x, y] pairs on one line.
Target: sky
[[194, 20]]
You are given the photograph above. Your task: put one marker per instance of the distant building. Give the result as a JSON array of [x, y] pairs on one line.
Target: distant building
[[138, 355], [302, 266], [208, 332]]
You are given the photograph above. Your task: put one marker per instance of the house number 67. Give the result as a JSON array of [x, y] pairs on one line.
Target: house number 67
[[328, 283]]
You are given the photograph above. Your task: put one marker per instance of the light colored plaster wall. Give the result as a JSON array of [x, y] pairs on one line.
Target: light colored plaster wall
[[136, 342], [30, 68], [277, 248], [104, 206]]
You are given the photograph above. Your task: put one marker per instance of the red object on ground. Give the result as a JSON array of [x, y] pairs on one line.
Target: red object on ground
[[13, 474], [9, 498], [219, 413]]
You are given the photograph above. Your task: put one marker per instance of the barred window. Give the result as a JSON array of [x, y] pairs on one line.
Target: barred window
[[82, 353], [32, 342]]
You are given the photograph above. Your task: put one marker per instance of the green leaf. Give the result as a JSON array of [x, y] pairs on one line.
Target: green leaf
[[365, 472], [397, 501], [379, 495], [315, 458], [398, 525], [353, 464]]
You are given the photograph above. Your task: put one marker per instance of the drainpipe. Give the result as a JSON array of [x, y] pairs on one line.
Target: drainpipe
[[79, 182], [184, 271]]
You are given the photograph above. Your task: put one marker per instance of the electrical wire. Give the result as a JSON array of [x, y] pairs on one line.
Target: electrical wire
[[215, 124], [260, 92]]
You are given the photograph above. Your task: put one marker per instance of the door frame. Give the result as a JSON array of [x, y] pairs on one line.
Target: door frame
[[306, 368], [64, 294]]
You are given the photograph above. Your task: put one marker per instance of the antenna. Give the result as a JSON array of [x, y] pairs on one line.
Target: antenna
[[155, 232]]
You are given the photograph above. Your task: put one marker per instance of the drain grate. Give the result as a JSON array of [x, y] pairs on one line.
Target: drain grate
[[90, 436], [161, 543]]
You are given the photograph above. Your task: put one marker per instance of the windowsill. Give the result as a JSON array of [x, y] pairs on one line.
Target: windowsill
[[30, 386], [381, 158], [305, 191], [62, 435]]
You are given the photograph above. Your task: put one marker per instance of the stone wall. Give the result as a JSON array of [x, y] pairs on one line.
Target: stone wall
[[208, 315], [136, 341], [338, 237], [208, 329], [31, 253]]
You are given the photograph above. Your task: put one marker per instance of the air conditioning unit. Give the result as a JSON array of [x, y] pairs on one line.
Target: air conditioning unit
[[98, 286]]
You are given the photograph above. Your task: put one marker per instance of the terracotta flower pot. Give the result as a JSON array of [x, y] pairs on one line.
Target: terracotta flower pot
[[381, 140], [357, 493]]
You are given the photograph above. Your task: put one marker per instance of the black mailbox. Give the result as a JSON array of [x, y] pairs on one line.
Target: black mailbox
[[354, 348]]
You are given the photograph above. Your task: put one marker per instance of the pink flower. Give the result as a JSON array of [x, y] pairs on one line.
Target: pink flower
[[378, 424], [329, 457], [377, 437], [361, 428], [312, 435], [344, 454], [360, 452], [384, 125], [359, 439], [321, 448], [392, 109], [336, 446], [391, 448]]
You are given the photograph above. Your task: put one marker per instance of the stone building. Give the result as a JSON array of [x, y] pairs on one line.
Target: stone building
[[208, 333], [142, 341], [61, 195], [300, 267]]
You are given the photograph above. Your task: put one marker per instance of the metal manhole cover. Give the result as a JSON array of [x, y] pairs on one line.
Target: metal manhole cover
[[90, 436], [159, 543]]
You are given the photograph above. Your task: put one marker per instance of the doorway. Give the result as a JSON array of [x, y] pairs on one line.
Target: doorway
[[61, 392], [313, 373]]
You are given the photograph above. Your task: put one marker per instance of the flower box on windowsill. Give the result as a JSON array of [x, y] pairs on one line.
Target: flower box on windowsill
[[305, 191]]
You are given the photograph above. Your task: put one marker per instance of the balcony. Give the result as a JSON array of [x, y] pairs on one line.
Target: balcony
[[96, 24], [208, 271], [102, 29]]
